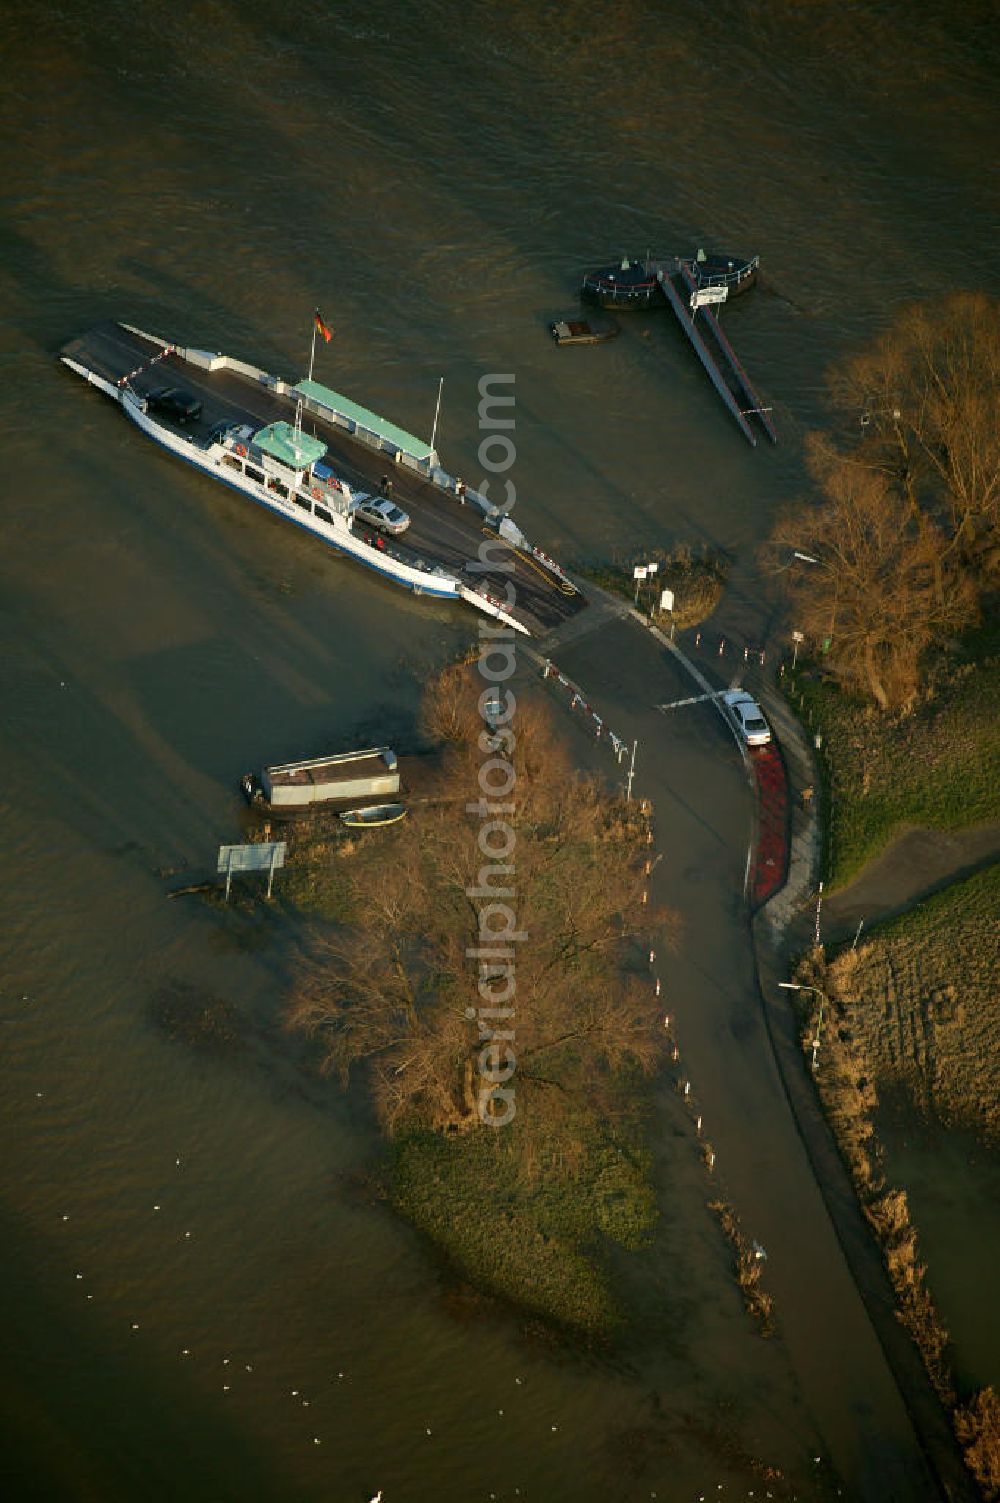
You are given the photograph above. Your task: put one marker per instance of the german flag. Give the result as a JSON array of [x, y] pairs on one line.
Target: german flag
[[322, 328]]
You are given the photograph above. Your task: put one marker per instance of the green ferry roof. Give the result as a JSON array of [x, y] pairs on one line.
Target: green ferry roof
[[296, 449], [365, 418]]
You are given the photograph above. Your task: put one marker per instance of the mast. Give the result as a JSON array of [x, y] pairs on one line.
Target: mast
[[437, 414], [297, 425]]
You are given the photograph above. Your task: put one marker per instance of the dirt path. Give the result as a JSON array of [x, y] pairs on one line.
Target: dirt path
[[916, 864]]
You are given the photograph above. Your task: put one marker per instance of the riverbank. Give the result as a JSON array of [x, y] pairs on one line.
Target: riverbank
[[888, 1017], [849, 1098], [774, 930], [921, 997], [937, 767], [689, 766]]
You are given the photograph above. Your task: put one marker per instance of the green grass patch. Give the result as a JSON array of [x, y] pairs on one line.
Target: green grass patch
[[956, 927], [526, 1220], [697, 579], [938, 767], [318, 878]]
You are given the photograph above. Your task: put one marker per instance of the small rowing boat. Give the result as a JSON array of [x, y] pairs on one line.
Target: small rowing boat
[[374, 816]]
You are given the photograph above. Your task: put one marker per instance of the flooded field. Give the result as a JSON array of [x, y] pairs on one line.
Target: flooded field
[[198, 1302]]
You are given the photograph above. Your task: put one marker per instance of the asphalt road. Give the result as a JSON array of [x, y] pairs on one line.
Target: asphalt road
[[689, 765]]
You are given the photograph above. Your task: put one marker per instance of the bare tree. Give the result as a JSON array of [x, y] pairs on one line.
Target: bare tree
[[923, 408], [396, 994], [878, 591]]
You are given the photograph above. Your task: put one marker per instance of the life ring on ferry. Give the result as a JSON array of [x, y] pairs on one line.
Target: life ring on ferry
[[241, 450], [316, 493]]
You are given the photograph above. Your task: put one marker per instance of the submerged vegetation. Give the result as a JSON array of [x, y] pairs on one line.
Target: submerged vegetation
[[749, 1258], [201, 1019], [522, 1211], [388, 989], [915, 1008], [899, 548]]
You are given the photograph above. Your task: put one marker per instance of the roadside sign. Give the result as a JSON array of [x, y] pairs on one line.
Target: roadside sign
[[703, 295], [666, 600], [640, 571], [798, 636], [263, 856]]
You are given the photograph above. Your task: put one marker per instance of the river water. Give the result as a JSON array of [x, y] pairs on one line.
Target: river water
[[435, 178]]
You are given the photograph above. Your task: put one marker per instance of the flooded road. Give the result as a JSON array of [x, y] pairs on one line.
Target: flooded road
[[690, 767], [434, 179]]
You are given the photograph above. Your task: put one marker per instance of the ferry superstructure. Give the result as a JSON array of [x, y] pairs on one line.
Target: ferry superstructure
[[251, 433]]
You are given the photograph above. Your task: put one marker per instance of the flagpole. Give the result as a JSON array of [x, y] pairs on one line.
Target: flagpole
[[312, 351], [437, 414]]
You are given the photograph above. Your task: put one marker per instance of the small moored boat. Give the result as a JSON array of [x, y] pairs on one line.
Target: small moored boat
[[372, 817], [583, 330], [290, 788]]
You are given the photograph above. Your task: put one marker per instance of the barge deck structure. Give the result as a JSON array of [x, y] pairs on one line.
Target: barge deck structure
[[246, 429], [632, 283], [645, 282], [290, 788]]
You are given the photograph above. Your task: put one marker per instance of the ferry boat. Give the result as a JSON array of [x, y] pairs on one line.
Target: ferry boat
[[634, 281], [245, 427]]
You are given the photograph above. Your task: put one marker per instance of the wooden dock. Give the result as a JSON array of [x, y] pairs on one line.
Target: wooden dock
[[710, 344]]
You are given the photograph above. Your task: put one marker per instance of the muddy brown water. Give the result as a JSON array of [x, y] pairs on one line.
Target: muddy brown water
[[434, 178], [953, 1184]]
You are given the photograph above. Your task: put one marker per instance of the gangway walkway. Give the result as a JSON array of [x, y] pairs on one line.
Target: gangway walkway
[[711, 321], [721, 363], [687, 323]]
